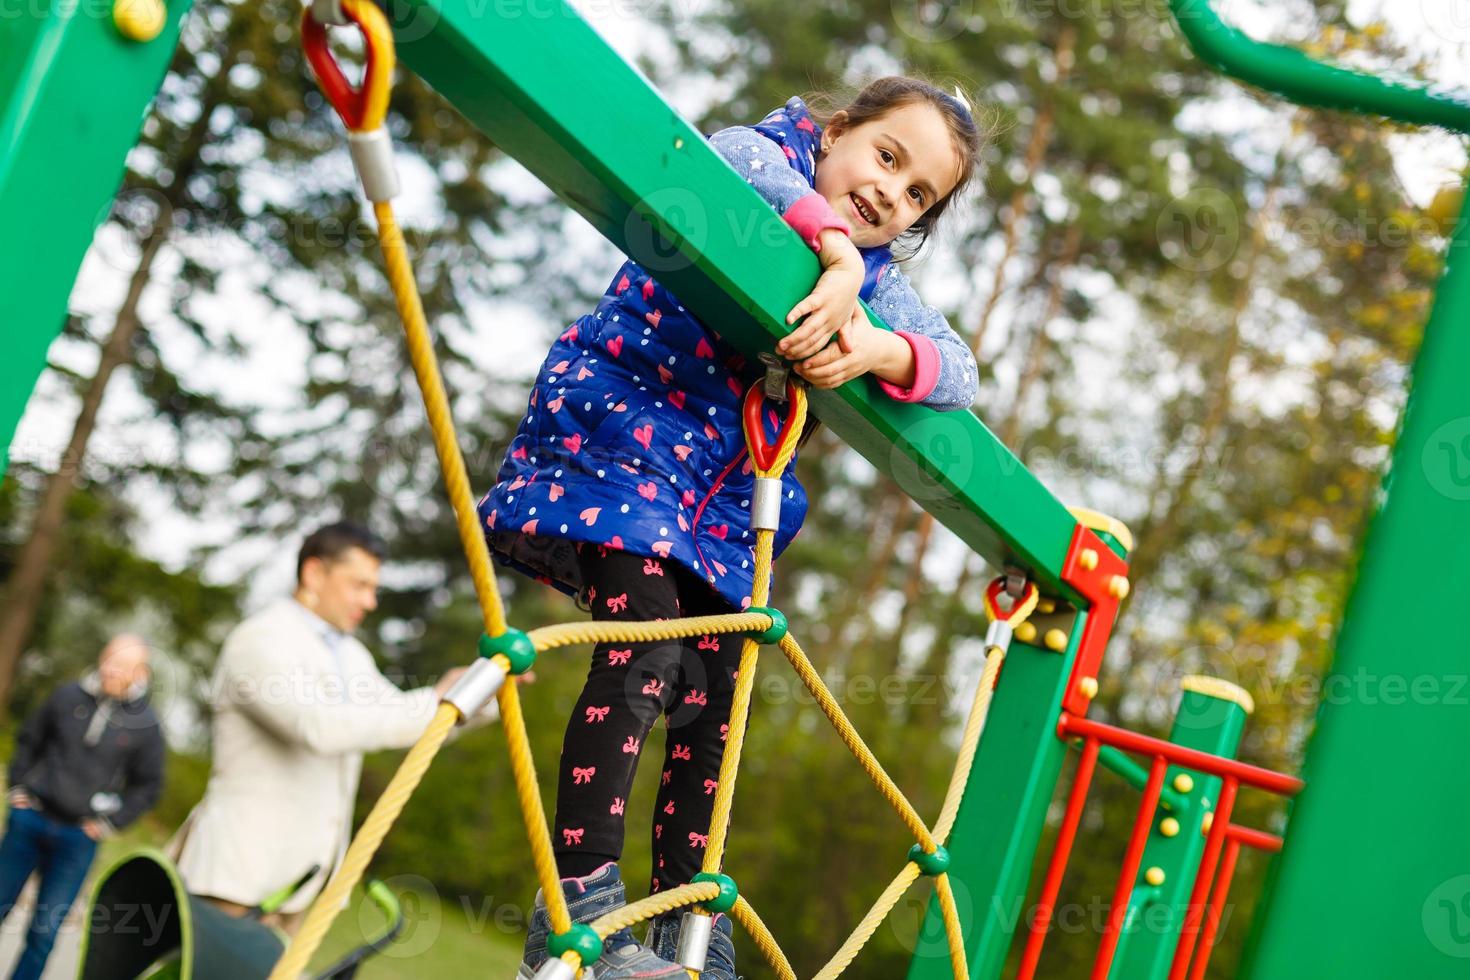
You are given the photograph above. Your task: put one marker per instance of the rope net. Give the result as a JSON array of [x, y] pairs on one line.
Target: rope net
[[363, 110]]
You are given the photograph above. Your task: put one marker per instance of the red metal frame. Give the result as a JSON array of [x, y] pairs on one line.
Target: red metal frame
[[1094, 585], [1217, 864]]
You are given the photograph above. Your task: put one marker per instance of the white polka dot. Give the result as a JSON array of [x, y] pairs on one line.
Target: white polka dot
[[587, 406], [558, 473], [712, 410], [790, 494], [637, 462], [711, 369], [601, 473], [658, 404], [533, 459], [688, 435], [673, 479], [609, 406], [643, 342], [509, 497], [624, 508], [563, 529], [707, 472], [671, 358], [647, 331], [745, 503], [743, 564], [551, 380], [663, 532], [533, 511]]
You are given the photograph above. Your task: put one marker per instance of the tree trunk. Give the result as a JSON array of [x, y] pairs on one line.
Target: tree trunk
[[28, 580], [21, 597], [1157, 530]]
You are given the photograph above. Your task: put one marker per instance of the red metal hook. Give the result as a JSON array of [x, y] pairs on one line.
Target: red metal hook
[[350, 103], [762, 452]]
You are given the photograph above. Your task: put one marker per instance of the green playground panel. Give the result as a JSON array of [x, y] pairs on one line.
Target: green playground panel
[[73, 96]]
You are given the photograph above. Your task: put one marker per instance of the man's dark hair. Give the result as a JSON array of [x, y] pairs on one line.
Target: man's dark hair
[[331, 542]]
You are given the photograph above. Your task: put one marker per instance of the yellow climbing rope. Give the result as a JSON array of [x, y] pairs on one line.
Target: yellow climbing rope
[[364, 110]]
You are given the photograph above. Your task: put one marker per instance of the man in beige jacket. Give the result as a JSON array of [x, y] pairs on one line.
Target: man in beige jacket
[[297, 702]]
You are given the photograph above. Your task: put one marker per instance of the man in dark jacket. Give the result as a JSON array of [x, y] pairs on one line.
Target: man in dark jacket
[[88, 762]]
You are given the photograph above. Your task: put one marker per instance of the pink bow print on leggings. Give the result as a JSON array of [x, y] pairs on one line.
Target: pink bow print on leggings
[[573, 835], [583, 774], [698, 840], [597, 714]]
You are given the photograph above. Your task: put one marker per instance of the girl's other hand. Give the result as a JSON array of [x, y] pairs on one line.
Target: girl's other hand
[[829, 305], [858, 349]]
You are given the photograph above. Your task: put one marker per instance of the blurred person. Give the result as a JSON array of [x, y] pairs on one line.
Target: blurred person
[[297, 701], [87, 763]]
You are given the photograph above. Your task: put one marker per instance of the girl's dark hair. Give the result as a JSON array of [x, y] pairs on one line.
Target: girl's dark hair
[[877, 99], [884, 95]]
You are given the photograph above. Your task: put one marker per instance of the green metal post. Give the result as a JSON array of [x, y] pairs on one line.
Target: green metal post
[[73, 96], [1213, 724]]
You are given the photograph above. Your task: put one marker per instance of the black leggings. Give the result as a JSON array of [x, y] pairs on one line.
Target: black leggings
[[689, 682]]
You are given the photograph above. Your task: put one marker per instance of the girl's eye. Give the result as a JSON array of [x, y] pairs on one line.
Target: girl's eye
[[917, 195], [887, 157]]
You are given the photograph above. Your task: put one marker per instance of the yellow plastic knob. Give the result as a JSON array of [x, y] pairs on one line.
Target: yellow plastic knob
[[1154, 876], [1055, 640], [1087, 559], [1088, 687], [1026, 632], [1118, 587], [1169, 827], [139, 20], [1184, 782]]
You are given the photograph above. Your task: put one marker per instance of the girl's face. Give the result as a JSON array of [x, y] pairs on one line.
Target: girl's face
[[884, 174]]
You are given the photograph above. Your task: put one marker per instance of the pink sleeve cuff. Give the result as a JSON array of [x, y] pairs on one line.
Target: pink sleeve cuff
[[810, 215], [926, 370]]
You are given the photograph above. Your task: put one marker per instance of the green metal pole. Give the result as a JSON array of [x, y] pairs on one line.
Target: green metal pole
[[73, 95], [1209, 722]]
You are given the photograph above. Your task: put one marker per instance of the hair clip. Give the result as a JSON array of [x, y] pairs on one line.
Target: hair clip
[[959, 97]]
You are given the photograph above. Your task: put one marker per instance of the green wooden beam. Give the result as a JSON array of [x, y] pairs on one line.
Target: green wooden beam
[[73, 96], [649, 182]]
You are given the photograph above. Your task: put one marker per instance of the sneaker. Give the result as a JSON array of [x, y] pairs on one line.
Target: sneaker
[[719, 959], [589, 898]]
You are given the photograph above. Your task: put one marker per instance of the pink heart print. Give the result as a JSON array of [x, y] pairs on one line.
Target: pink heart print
[[555, 404], [703, 349], [573, 442], [644, 435], [615, 346], [683, 452], [676, 398], [589, 516], [662, 548], [560, 366], [530, 526], [648, 491], [647, 289], [653, 317], [556, 492]]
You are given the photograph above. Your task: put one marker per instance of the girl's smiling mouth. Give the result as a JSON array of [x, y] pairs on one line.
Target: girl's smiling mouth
[[863, 209]]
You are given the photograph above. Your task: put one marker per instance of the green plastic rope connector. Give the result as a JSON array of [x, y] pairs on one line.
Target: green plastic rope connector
[[580, 938], [930, 864], [729, 894], [514, 644], [774, 633]]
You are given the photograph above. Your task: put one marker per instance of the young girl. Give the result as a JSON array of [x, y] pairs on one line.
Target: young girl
[[628, 485]]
